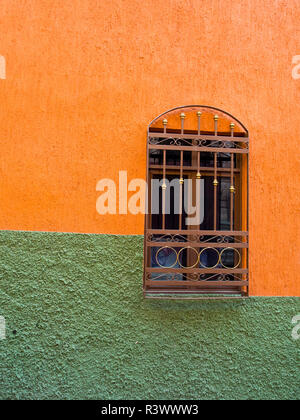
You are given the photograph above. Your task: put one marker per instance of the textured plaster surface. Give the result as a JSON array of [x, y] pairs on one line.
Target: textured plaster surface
[[85, 78], [78, 327]]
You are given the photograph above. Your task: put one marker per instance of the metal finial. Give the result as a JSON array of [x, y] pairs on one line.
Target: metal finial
[[232, 125], [199, 113], [198, 175], [232, 189], [181, 181], [165, 121], [216, 117], [182, 115], [164, 187], [215, 182]]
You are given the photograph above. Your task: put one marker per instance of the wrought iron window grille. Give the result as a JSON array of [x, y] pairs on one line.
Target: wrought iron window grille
[[209, 259]]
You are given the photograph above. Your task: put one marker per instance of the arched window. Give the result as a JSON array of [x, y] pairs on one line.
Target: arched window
[[196, 229]]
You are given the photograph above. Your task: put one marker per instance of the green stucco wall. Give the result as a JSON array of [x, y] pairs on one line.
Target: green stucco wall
[[78, 327]]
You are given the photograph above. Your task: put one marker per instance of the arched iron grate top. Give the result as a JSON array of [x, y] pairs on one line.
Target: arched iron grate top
[[198, 109], [210, 129]]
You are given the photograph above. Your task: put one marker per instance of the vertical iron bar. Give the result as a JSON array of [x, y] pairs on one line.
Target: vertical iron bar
[[164, 186], [231, 190], [180, 189], [215, 183], [232, 125], [165, 122], [199, 113], [216, 124], [182, 117], [198, 175]]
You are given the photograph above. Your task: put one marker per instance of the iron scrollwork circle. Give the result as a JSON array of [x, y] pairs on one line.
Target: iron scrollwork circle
[[164, 266], [235, 250], [190, 266], [219, 257]]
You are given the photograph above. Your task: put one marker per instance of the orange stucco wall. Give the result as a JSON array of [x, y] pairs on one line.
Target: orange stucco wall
[[85, 77]]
